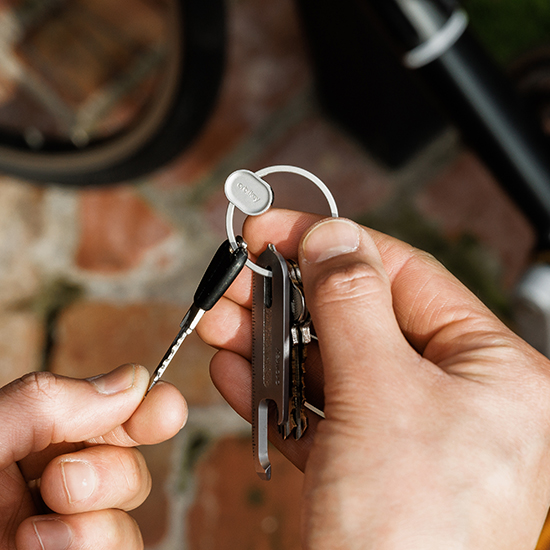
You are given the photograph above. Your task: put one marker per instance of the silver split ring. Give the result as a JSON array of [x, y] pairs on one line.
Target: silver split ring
[[253, 196]]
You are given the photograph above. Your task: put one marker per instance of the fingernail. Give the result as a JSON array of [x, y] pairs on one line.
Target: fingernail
[[53, 534], [79, 479], [329, 239], [121, 379]]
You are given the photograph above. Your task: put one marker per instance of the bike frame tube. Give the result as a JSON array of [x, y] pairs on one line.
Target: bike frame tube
[[481, 102]]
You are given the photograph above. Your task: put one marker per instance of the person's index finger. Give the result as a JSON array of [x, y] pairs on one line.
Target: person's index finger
[[283, 228], [240, 291]]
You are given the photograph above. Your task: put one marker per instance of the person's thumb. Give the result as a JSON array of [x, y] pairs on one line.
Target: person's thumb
[[41, 408], [349, 297]]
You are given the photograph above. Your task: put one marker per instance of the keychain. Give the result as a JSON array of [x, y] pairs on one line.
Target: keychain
[[281, 325], [280, 319]]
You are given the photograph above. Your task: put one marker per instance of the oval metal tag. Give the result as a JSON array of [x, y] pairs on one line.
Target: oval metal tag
[[249, 193]]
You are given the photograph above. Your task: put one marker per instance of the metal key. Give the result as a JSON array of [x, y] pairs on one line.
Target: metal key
[[220, 273], [270, 353], [300, 331], [280, 334]]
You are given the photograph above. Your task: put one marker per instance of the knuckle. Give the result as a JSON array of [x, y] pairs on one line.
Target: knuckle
[[426, 257], [131, 483], [39, 386], [134, 468], [37, 396], [349, 283], [420, 260]]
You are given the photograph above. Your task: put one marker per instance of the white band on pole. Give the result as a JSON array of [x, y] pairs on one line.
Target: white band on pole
[[439, 43]]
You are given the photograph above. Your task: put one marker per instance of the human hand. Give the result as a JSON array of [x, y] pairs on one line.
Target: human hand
[[437, 427], [77, 438]]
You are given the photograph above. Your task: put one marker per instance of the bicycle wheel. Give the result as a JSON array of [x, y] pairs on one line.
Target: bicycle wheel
[[163, 128]]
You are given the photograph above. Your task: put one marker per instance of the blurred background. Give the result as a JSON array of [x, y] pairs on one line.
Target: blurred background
[[95, 273]]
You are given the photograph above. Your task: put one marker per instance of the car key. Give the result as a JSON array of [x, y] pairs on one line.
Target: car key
[[223, 269], [270, 353]]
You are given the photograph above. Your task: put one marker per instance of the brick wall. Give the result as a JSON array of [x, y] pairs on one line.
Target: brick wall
[[93, 278]]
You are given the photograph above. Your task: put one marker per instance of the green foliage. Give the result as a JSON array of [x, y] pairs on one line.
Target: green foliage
[[509, 28], [199, 443], [255, 497], [55, 296]]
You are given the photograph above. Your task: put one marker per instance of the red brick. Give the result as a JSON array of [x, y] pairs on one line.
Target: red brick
[[94, 337], [8, 88], [75, 57], [8, 5], [21, 345], [266, 66], [465, 198], [20, 229], [356, 181], [235, 509], [117, 229]]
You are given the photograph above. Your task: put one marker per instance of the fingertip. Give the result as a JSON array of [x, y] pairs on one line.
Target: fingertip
[[101, 529], [142, 376], [227, 325], [129, 376], [96, 478], [161, 415], [44, 533], [333, 237], [341, 266], [346, 285]]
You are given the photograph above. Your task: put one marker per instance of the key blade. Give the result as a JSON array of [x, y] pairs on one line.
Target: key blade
[[223, 269], [270, 353], [167, 359], [187, 326]]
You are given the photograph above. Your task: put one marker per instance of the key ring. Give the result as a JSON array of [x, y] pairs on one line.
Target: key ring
[[253, 196]]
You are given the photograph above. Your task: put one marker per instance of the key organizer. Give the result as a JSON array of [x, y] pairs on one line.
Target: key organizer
[[279, 336]]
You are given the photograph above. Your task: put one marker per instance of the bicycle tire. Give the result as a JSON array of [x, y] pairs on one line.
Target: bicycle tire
[[169, 125]]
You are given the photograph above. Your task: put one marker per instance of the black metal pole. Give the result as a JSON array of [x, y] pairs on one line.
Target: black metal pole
[[478, 98]]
